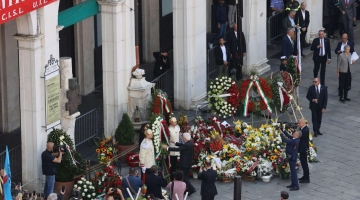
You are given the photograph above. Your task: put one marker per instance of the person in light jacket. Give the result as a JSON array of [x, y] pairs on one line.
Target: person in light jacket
[[344, 74], [147, 154], [174, 138]]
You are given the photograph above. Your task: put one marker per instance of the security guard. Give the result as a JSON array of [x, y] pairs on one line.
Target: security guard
[[292, 5]]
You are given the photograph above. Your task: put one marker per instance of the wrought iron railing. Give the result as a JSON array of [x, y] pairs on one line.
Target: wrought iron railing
[[15, 161]]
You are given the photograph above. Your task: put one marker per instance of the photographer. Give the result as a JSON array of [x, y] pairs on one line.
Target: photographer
[[154, 181], [111, 192], [133, 182], [48, 161], [292, 147], [208, 177], [162, 63]]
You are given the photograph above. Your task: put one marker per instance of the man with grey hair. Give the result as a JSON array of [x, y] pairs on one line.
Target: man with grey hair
[[292, 147], [287, 44], [289, 21], [186, 155]]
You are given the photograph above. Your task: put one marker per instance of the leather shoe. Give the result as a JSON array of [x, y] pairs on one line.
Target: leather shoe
[[289, 186], [347, 99], [315, 135], [320, 133], [301, 178], [342, 100], [190, 193], [294, 188], [304, 181]]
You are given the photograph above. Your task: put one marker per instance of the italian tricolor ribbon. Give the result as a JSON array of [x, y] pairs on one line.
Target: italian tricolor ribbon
[[163, 100], [284, 97], [254, 80]]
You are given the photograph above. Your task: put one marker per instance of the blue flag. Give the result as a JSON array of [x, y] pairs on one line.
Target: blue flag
[[7, 177]]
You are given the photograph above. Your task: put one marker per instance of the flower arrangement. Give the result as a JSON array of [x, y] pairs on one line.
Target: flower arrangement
[[106, 150], [294, 71], [265, 167], [283, 167], [156, 128], [72, 163], [183, 123], [106, 179], [160, 104], [220, 88], [86, 188], [281, 100]]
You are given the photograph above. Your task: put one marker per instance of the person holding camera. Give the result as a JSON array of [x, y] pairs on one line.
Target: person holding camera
[[177, 186], [292, 147], [48, 161], [162, 63], [133, 182], [154, 182], [111, 192], [208, 177]]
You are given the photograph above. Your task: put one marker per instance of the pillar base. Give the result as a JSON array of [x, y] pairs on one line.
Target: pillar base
[[261, 68]]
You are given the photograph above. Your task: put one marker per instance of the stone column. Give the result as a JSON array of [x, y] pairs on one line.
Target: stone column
[[84, 54], [36, 44], [254, 28], [189, 52], [151, 32], [118, 44], [67, 121], [9, 79], [315, 9]]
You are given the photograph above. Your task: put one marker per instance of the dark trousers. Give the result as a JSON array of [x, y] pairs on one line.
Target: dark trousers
[[174, 166], [302, 40], [207, 198], [320, 64], [316, 116], [234, 64], [294, 178], [189, 186], [304, 165], [349, 27], [343, 85], [332, 24]]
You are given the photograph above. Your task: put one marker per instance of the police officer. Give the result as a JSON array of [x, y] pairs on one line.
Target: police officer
[[292, 5], [292, 147]]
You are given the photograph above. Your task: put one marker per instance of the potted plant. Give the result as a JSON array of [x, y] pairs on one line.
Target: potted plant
[[124, 134], [71, 164]]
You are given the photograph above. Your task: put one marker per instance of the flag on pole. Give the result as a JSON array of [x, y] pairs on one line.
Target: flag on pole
[[7, 177], [299, 49]]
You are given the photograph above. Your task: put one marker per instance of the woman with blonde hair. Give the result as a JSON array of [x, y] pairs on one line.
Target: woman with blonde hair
[[344, 74]]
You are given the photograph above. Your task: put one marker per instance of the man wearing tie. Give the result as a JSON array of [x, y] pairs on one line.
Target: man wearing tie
[[348, 12], [233, 45], [302, 17], [322, 54], [287, 44], [317, 96]]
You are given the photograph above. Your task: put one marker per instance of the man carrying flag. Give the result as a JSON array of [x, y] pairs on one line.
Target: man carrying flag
[[7, 177]]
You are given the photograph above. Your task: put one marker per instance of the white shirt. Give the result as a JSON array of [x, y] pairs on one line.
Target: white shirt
[[223, 49], [303, 14], [290, 40], [318, 88], [323, 47], [342, 46]]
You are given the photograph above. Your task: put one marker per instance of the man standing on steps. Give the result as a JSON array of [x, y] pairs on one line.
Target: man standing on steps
[[302, 18], [221, 20], [318, 97], [348, 12], [321, 56]]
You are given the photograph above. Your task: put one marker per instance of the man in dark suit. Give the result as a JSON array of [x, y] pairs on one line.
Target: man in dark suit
[[186, 157], [303, 149], [348, 12], [208, 177], [302, 18], [233, 45], [154, 182], [344, 41], [162, 63], [289, 21], [287, 44], [292, 147], [321, 56], [318, 97], [222, 58], [333, 6]]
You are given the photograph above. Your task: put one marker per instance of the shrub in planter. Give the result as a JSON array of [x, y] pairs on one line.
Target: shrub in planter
[[71, 164], [125, 132]]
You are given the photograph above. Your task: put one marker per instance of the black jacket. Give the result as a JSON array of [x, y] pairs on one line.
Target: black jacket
[[160, 66], [323, 97], [282, 67], [232, 43], [300, 20], [316, 50], [333, 9], [154, 184], [208, 187], [221, 13], [219, 55], [287, 47], [304, 140], [338, 47], [186, 153]]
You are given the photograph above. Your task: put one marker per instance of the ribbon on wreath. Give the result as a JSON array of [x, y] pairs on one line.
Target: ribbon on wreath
[[254, 80], [297, 64], [284, 97], [251, 169], [164, 103], [71, 153]]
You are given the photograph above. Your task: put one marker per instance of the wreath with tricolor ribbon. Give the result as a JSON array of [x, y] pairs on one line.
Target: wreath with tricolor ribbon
[[294, 70], [161, 103], [255, 104]]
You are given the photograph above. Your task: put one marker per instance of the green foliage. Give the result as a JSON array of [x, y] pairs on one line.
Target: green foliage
[[293, 71], [66, 170], [125, 132]]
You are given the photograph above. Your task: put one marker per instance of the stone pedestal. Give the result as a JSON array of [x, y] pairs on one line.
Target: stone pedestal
[[118, 50], [189, 19], [315, 9], [67, 121], [254, 28], [139, 95], [36, 42]]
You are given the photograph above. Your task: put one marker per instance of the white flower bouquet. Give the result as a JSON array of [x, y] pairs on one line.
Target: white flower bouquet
[[86, 189]]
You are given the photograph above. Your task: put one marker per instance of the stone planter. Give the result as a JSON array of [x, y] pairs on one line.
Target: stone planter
[[266, 178], [69, 186], [195, 175]]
